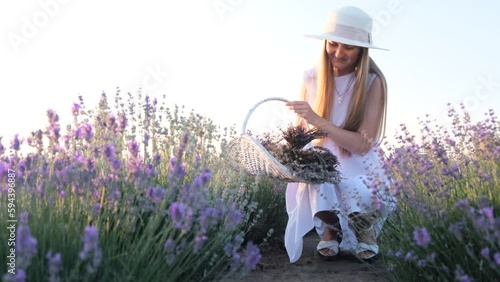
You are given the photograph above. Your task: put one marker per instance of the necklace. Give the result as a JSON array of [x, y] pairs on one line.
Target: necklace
[[341, 96]]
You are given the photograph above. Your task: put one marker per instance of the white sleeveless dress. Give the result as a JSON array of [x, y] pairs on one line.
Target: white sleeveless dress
[[364, 187]]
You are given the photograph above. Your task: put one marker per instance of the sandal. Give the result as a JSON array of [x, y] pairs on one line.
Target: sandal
[[332, 245], [362, 247]]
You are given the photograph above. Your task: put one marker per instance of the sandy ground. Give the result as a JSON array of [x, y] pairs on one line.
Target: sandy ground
[[275, 266]]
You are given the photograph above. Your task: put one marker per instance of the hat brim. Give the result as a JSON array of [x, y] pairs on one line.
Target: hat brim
[[344, 41]]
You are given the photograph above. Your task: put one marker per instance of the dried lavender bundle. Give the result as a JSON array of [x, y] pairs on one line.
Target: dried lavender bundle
[[315, 164], [297, 137]]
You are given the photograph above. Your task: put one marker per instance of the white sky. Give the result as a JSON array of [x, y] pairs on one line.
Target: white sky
[[221, 62]]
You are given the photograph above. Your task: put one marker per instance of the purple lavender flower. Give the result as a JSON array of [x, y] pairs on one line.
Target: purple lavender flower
[[78, 134], [229, 249], [53, 130], [122, 121], [485, 177], [238, 240], [462, 204], [2, 148], [496, 227], [456, 229], [485, 253], [55, 266], [133, 166], [463, 278], [90, 164], [177, 168], [496, 257], [221, 211], [62, 194], [169, 245], [208, 217], [480, 222], [16, 143], [203, 179], [421, 237], [146, 139], [149, 170], [20, 275], [233, 218], [4, 168], [460, 275], [111, 122], [421, 263], [96, 209], [156, 159], [90, 241], [177, 213], [408, 256], [25, 243], [89, 132], [235, 261], [488, 212], [180, 247], [156, 193], [114, 196], [75, 109], [198, 243], [133, 148], [109, 152], [91, 248], [52, 115], [79, 158], [443, 213], [253, 256], [116, 163]]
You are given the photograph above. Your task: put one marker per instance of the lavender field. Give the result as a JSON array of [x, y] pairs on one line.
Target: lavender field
[[142, 192]]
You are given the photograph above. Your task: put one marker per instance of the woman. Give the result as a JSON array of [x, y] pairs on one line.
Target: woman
[[346, 96]]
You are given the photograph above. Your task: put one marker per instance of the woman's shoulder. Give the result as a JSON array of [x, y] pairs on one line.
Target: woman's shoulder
[[371, 77], [310, 74]]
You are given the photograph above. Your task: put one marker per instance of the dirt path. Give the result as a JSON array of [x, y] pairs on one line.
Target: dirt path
[[275, 266]]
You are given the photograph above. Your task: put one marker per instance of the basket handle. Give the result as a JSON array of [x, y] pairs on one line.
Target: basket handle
[[244, 128]]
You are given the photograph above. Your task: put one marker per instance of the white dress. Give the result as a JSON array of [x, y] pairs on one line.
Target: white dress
[[364, 187]]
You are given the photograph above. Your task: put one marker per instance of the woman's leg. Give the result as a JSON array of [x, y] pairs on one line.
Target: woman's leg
[[332, 229], [362, 225]]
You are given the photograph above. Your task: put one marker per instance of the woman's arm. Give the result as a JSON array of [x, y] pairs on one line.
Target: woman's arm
[[356, 142], [303, 97]]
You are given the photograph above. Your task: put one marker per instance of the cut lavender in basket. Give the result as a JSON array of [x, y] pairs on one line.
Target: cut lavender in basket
[[298, 137], [313, 165]]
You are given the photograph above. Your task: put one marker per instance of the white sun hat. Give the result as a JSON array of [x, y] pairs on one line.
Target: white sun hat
[[348, 25]]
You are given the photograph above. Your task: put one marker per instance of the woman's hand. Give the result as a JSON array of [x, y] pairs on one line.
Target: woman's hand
[[304, 111]]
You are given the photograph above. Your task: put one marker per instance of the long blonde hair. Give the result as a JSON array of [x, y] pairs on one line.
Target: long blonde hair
[[325, 93]]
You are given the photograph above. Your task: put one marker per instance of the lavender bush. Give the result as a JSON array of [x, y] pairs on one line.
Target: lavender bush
[[129, 194], [447, 226]]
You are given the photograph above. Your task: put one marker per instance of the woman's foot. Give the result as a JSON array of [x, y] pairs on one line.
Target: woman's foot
[[365, 233], [367, 244], [329, 245]]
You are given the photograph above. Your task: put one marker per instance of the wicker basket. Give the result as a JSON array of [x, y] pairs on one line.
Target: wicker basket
[[249, 153]]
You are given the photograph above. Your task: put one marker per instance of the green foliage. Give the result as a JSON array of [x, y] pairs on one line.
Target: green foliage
[[268, 222]]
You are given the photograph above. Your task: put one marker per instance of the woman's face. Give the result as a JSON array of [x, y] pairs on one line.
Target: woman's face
[[343, 57]]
